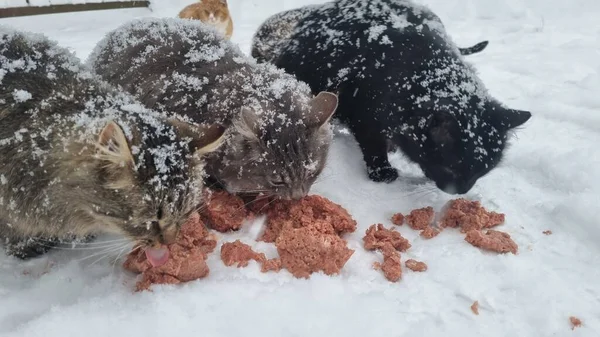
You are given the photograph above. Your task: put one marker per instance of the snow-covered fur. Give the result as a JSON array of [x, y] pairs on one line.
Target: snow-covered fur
[[77, 157], [278, 133], [274, 33], [401, 79]]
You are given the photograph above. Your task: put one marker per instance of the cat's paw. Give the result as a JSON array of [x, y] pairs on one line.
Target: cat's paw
[[386, 174]]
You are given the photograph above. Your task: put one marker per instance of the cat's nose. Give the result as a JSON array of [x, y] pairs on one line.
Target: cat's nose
[[298, 194], [168, 235]]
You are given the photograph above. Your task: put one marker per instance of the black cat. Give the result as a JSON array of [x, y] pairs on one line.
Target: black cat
[[274, 33], [402, 81]]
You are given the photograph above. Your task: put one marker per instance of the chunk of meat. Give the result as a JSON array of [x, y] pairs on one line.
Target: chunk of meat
[[184, 265], [492, 240], [186, 262], [548, 232], [377, 236], [398, 219], [475, 307], [308, 249], [271, 265], [420, 218], [469, 215], [415, 265], [389, 242], [575, 322], [240, 253], [391, 266], [430, 232], [224, 212], [311, 210]]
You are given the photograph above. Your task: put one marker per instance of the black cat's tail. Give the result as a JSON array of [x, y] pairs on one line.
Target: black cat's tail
[[474, 49]]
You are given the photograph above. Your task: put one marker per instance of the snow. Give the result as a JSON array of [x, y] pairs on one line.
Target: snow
[[543, 56]]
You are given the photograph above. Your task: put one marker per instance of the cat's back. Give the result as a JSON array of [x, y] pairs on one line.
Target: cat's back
[[163, 60], [274, 32], [38, 81], [170, 43], [345, 40]]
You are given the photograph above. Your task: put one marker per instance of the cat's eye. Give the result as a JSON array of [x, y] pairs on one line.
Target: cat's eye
[[277, 182]]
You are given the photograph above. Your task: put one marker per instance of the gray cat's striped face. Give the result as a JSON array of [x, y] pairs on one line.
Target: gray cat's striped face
[[278, 157]]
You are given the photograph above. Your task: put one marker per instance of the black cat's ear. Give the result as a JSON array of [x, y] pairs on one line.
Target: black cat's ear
[[248, 124], [322, 108], [440, 126], [112, 146], [511, 118], [203, 138]]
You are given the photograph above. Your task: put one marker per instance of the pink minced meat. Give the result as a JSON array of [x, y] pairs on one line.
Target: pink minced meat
[[469, 215], [310, 210], [309, 249], [377, 236], [492, 240], [240, 253], [390, 243], [224, 212], [420, 218], [307, 234], [398, 219], [391, 266], [415, 265], [187, 258], [429, 232]]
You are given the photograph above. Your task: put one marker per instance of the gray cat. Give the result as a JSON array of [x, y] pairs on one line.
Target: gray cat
[[278, 133], [78, 158]]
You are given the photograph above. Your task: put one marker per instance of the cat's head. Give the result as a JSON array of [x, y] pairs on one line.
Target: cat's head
[[455, 153], [281, 155], [214, 11], [154, 179]]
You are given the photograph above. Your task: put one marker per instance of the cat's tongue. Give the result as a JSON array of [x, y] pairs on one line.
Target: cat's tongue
[[157, 256]]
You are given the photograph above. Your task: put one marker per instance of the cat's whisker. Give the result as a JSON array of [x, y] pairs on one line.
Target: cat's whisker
[[267, 196], [98, 243], [65, 246], [103, 252], [266, 205], [117, 259], [103, 256]]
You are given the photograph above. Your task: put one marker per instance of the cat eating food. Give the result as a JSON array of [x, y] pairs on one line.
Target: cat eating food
[[401, 81], [212, 12], [278, 134], [77, 157]]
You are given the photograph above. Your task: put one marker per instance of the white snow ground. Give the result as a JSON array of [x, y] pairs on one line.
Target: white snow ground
[[544, 55]]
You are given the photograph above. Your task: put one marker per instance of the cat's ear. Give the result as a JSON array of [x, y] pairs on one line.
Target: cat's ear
[[510, 118], [322, 108], [441, 126], [248, 124], [203, 138], [224, 2], [113, 147]]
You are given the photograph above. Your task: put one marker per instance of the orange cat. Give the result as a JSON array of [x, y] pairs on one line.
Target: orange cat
[[212, 12]]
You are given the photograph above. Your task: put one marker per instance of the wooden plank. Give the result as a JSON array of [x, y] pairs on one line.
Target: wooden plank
[[53, 9]]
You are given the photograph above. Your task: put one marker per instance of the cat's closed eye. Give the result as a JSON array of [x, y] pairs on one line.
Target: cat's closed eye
[[277, 181]]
